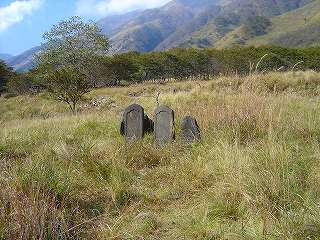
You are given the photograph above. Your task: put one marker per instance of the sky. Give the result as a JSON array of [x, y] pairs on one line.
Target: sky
[[23, 22]]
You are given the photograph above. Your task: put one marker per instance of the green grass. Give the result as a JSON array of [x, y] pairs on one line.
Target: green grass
[[255, 175]]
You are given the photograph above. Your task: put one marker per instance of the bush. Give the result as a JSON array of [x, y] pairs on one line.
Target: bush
[[20, 84], [5, 73], [66, 85], [182, 64]]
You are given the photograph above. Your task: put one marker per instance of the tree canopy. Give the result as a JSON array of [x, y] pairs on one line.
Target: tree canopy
[[5, 73], [72, 43], [69, 63]]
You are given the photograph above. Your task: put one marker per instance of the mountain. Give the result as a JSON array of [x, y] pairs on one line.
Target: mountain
[[152, 27], [302, 28], [194, 23], [240, 21], [111, 24], [24, 61], [209, 23], [296, 28], [5, 57], [183, 32]]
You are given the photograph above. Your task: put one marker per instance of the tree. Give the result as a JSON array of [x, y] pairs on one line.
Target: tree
[[73, 43], [20, 83], [5, 73], [67, 85], [125, 67], [68, 63]]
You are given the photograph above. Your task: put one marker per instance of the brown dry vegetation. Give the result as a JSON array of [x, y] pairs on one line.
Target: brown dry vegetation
[[255, 175]]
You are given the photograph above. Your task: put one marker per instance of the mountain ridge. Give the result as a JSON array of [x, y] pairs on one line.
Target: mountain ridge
[[207, 23]]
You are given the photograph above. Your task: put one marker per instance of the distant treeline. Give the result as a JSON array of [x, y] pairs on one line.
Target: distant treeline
[[182, 64]]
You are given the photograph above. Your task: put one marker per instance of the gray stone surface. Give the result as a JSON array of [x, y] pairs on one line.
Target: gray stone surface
[[133, 122], [148, 125], [164, 125], [190, 130]]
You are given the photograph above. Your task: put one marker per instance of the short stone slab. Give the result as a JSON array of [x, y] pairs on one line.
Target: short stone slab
[[164, 125], [190, 130], [133, 123]]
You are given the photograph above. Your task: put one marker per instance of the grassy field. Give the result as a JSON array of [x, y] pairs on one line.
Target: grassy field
[[255, 175]]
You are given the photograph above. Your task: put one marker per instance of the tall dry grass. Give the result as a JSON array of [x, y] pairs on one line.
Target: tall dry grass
[[255, 175]]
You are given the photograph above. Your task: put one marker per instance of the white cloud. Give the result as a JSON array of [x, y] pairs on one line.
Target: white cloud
[[16, 11], [104, 7]]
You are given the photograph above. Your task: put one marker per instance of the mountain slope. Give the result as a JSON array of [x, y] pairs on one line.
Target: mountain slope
[[111, 24], [234, 15], [297, 28], [302, 28], [183, 32], [263, 7], [24, 61], [193, 23], [152, 27]]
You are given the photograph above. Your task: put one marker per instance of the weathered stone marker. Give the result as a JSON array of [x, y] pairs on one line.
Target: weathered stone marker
[[164, 125], [148, 125], [190, 130], [133, 122]]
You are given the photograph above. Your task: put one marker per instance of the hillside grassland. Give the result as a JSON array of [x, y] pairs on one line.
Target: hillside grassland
[[254, 175], [296, 28], [300, 26]]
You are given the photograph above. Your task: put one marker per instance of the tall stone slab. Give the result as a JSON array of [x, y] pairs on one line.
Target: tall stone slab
[[190, 130], [148, 125], [164, 125], [133, 122]]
